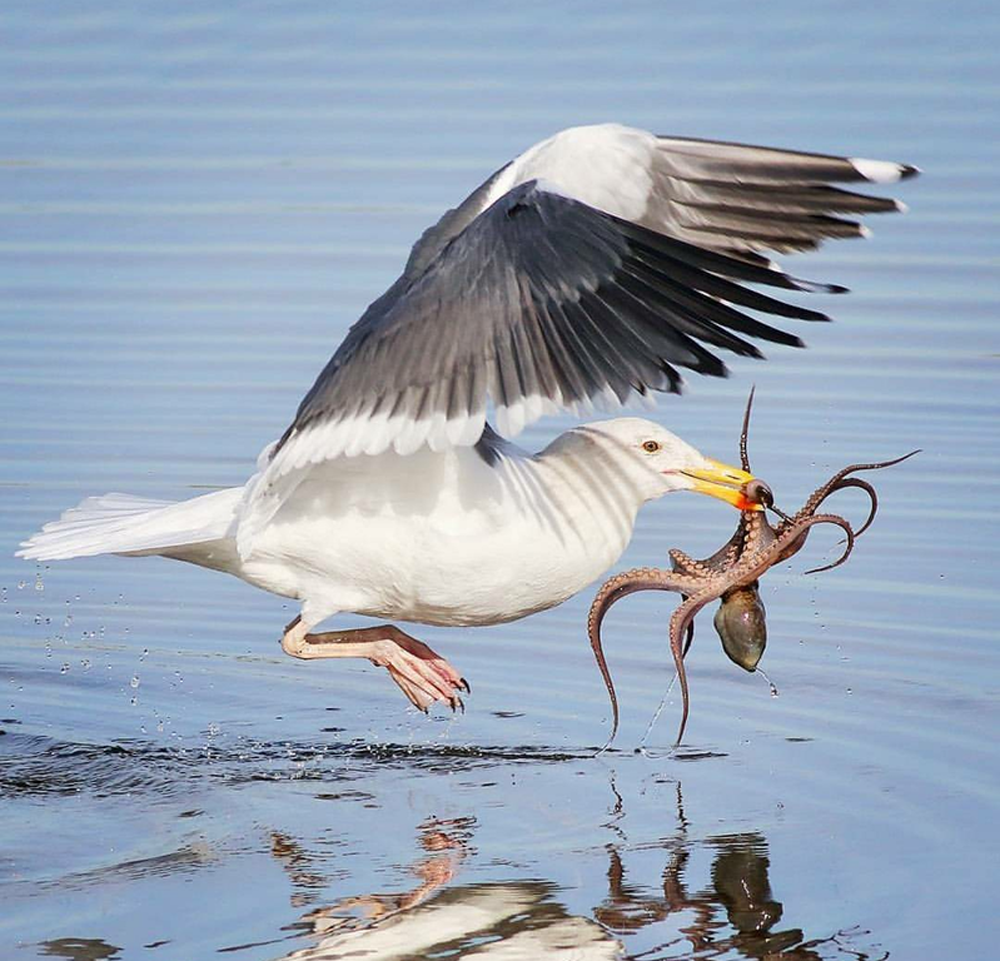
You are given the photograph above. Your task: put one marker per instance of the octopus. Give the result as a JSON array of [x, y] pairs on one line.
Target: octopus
[[732, 574]]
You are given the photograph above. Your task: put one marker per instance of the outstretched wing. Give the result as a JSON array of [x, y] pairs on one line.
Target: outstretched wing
[[589, 269], [540, 303]]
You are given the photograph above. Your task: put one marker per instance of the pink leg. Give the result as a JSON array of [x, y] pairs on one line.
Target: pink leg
[[422, 675]]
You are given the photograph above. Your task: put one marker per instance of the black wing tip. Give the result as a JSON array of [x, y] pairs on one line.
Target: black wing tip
[[812, 316], [815, 287], [907, 171]]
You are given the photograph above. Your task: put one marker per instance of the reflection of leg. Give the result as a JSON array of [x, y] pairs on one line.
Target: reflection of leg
[[447, 843], [422, 675]]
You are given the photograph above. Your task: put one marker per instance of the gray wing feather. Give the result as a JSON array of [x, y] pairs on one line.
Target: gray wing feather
[[539, 302], [436, 237], [743, 199]]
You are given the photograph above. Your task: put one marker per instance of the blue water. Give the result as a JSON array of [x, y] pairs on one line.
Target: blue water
[[196, 201]]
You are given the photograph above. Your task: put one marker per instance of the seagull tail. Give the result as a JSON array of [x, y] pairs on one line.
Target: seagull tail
[[123, 524]]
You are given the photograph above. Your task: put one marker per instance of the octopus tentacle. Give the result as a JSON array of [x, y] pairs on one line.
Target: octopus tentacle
[[726, 555], [824, 491], [869, 490], [679, 622], [697, 591], [619, 586], [744, 458], [682, 622], [689, 639], [841, 523]]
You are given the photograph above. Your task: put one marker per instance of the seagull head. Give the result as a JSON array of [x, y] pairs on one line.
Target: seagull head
[[659, 462]]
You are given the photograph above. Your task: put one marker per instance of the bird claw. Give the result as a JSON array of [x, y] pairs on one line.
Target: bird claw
[[420, 673]]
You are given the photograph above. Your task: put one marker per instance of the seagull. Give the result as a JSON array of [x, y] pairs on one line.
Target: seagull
[[581, 276]]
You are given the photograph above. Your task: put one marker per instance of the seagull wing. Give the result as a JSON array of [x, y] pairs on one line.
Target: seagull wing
[[589, 269], [731, 197]]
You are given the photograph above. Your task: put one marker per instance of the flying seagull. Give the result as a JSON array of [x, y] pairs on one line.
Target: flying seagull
[[583, 274]]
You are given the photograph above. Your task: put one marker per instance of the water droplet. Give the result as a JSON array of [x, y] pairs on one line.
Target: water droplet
[[39, 583], [134, 683], [849, 691], [85, 663], [65, 668], [133, 701], [21, 585], [144, 654]]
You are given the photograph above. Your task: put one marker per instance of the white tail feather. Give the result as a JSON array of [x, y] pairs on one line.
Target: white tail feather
[[122, 524]]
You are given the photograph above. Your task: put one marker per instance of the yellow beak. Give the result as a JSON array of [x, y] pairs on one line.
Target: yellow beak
[[724, 482]]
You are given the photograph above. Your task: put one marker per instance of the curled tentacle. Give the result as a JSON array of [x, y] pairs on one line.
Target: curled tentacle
[[793, 538], [869, 490], [619, 586], [844, 526], [827, 490], [824, 491]]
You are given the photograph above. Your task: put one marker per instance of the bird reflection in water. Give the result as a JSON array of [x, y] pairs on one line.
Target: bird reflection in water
[[734, 915], [445, 843], [739, 893], [516, 921]]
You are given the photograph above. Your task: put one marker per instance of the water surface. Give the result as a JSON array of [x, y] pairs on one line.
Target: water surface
[[197, 201]]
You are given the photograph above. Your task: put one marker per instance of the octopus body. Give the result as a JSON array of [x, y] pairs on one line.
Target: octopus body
[[741, 623], [732, 574]]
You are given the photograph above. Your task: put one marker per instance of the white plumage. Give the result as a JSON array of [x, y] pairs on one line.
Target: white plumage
[[581, 275]]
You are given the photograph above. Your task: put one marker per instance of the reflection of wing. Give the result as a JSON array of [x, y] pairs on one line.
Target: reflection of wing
[[588, 269], [494, 922]]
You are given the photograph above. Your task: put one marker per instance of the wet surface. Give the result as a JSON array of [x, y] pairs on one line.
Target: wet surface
[[198, 201]]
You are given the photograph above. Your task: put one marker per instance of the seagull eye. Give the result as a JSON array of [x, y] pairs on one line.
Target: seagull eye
[[650, 446]]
